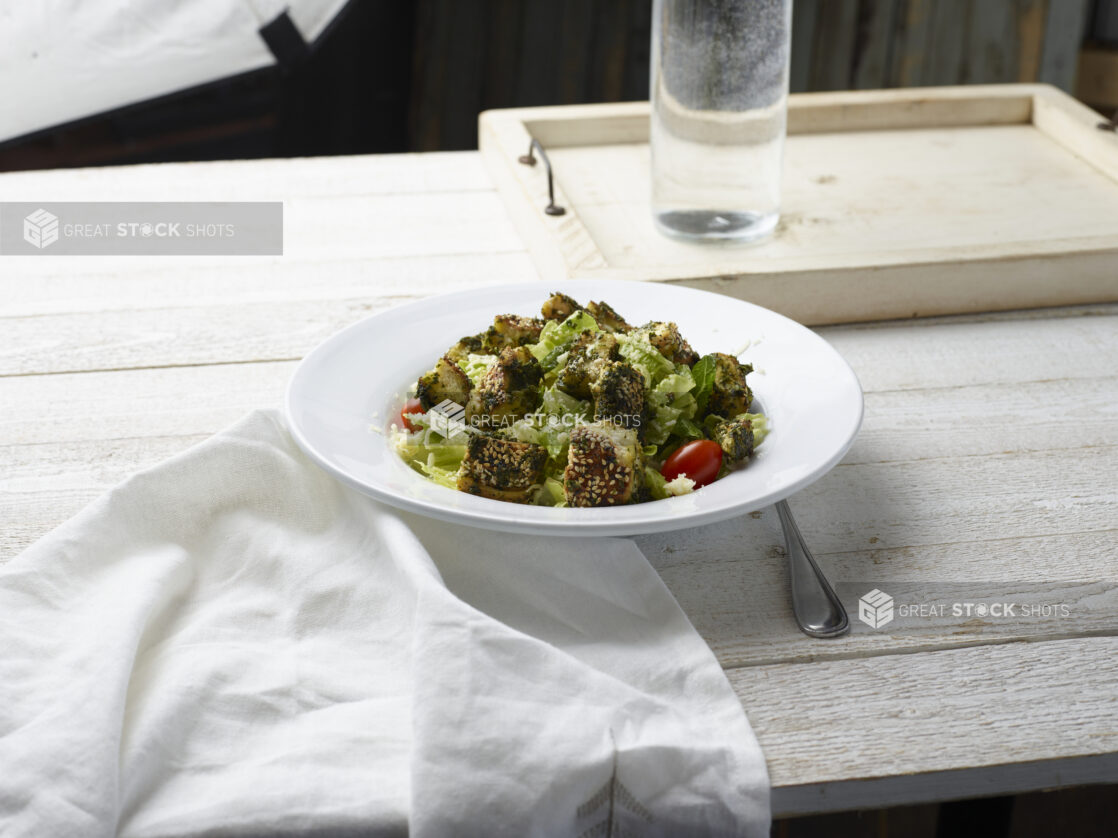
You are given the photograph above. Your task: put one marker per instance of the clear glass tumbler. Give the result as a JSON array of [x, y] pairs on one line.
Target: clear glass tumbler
[[719, 89]]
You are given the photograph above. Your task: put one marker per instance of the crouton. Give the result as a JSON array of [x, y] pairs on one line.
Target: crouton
[[735, 437], [508, 390], [604, 466], [730, 395], [586, 358], [559, 307], [607, 319], [667, 340], [445, 381], [511, 330], [618, 394], [501, 469]]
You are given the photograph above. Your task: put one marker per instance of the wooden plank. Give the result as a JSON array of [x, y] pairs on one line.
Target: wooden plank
[[1029, 359], [830, 182], [55, 289], [254, 326], [870, 523], [736, 592], [992, 43], [949, 43], [805, 763], [912, 35], [856, 293], [987, 419], [555, 242], [351, 226], [256, 180], [1048, 718], [940, 354], [983, 249], [979, 419], [135, 404], [1031, 16], [1034, 474], [42, 486], [1063, 36], [910, 503], [808, 113], [561, 245], [909, 791], [905, 109], [1076, 128], [1097, 81], [929, 375], [1006, 423], [135, 338], [733, 583]]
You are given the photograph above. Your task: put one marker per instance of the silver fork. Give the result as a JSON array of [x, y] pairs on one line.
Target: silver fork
[[818, 610]]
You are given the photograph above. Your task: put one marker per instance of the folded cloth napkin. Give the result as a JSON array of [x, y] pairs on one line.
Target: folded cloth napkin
[[232, 643]]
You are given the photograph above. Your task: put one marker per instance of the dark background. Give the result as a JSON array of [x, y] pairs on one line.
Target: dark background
[[394, 75]]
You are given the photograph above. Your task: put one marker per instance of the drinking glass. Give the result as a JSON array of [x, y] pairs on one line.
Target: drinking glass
[[719, 90]]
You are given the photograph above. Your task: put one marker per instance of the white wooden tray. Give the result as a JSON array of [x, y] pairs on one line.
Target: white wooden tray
[[896, 203]]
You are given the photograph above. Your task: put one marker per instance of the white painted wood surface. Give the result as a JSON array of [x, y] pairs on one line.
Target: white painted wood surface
[[897, 203], [987, 468]]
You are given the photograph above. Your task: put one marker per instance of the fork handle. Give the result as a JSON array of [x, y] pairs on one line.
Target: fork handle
[[818, 610]]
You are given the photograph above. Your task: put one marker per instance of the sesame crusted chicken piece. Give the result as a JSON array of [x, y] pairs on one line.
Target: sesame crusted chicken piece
[[559, 307], [730, 395], [445, 381], [604, 466], [511, 330], [586, 358], [619, 395], [607, 319], [735, 437], [469, 345], [670, 343], [508, 390], [501, 469]]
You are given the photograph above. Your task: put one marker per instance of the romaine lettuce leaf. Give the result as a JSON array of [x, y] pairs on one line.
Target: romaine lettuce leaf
[[655, 483], [760, 424], [551, 493], [660, 488], [414, 450], [558, 403], [476, 366], [703, 374], [557, 337], [443, 476], [669, 402], [638, 351]]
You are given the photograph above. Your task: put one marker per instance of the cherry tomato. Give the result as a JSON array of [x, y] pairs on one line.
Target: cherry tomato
[[410, 406], [699, 459]]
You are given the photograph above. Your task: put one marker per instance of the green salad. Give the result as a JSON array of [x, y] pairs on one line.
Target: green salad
[[578, 408]]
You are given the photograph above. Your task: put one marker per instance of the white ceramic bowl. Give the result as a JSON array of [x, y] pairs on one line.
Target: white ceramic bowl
[[355, 382]]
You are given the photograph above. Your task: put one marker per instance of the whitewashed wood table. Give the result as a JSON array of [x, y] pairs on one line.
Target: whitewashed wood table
[[987, 466]]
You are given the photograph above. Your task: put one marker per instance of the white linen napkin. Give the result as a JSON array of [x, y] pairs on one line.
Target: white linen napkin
[[232, 643]]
